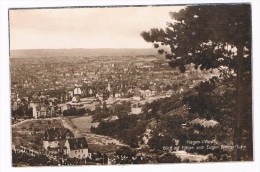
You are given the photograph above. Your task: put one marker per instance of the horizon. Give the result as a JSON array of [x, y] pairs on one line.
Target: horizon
[[41, 53], [79, 48]]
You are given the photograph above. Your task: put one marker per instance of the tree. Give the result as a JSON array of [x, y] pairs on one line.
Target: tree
[[169, 158], [212, 36], [153, 142], [125, 151]]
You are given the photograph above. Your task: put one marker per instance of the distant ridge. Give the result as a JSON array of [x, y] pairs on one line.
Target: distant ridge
[[40, 53]]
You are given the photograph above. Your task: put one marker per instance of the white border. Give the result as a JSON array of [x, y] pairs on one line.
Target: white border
[[5, 140]]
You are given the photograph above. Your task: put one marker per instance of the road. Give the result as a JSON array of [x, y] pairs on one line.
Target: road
[[39, 119]]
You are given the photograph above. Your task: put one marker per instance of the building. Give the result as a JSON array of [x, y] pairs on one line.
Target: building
[[42, 110], [111, 118], [153, 90], [61, 142], [169, 93], [135, 109], [76, 94], [137, 94], [95, 124], [181, 90], [63, 107], [54, 139], [78, 148], [147, 93], [109, 87]]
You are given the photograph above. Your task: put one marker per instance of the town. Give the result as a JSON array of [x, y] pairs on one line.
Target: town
[[75, 91], [49, 87]]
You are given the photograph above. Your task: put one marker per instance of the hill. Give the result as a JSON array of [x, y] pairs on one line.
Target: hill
[[39, 53]]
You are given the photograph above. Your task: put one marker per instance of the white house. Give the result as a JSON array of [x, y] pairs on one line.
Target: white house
[[42, 110], [153, 90], [77, 148], [54, 136], [169, 93], [39, 111], [135, 109], [137, 94], [147, 93], [76, 94]]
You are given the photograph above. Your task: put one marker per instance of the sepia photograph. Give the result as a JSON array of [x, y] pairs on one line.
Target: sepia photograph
[[133, 84]]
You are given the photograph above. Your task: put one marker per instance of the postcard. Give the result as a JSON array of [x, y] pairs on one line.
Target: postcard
[[131, 85]]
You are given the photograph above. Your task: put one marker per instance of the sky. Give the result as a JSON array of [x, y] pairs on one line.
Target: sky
[[117, 27]]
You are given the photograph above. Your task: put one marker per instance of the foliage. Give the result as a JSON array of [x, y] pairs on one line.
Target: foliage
[[37, 160], [210, 37], [74, 112], [202, 34], [119, 110], [168, 129], [169, 158], [213, 99], [159, 107], [129, 129]]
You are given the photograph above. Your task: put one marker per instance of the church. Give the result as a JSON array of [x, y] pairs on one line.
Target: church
[[76, 94]]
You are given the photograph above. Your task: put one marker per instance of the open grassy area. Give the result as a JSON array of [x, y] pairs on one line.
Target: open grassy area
[[82, 123]]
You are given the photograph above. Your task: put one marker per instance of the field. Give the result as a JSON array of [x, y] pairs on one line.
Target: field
[[82, 123]]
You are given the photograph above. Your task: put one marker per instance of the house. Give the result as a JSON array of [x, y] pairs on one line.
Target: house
[[135, 109], [130, 90], [41, 110], [61, 141], [52, 111], [99, 96], [90, 92], [203, 122], [111, 118], [153, 90], [117, 95], [181, 90], [137, 94], [95, 124], [147, 93], [54, 138], [76, 94], [63, 107], [77, 148], [51, 101], [169, 93]]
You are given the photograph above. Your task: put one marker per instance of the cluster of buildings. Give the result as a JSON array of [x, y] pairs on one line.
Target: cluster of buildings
[[61, 142], [43, 106], [50, 89], [49, 75]]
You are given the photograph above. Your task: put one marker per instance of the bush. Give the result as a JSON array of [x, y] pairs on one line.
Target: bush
[[169, 158], [74, 112]]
